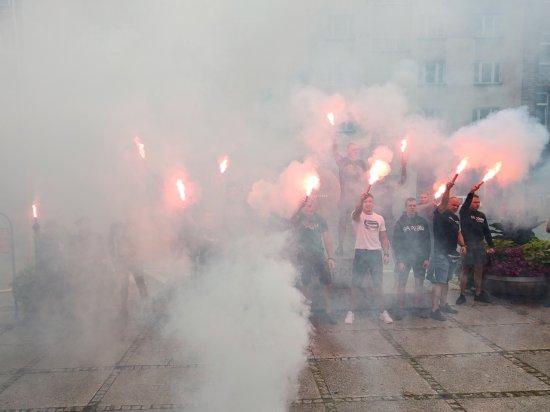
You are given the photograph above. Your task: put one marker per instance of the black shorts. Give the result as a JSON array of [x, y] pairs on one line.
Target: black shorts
[[314, 266], [475, 254], [417, 266]]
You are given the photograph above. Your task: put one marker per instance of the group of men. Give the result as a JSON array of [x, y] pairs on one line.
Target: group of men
[[426, 244]]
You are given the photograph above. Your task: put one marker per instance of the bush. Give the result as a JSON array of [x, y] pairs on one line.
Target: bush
[[530, 259]]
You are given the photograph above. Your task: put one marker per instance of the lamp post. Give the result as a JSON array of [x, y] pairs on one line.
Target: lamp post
[[12, 252]]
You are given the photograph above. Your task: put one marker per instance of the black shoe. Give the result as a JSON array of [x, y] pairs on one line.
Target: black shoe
[[420, 313], [461, 300], [437, 315], [447, 309], [339, 251], [482, 298]]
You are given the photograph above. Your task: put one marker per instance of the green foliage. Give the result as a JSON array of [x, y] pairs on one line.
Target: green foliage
[[537, 252], [501, 243]]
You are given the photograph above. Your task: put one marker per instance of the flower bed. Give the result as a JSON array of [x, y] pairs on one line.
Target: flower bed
[[519, 270], [512, 261]]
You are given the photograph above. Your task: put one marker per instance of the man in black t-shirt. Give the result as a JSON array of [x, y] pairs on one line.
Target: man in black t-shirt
[[474, 229], [446, 227], [313, 240]]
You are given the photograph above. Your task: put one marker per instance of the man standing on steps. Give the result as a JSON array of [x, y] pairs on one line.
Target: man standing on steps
[[446, 226], [351, 169], [474, 229], [371, 249], [411, 245]]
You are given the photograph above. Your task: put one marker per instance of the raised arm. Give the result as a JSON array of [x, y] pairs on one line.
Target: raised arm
[[356, 214], [445, 198]]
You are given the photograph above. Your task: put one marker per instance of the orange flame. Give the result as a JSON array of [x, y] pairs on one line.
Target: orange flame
[[440, 191], [35, 211], [140, 146], [492, 172], [403, 145], [181, 189], [312, 182], [330, 117], [378, 170], [462, 165], [223, 164]]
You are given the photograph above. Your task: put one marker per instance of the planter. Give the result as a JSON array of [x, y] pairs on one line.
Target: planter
[[516, 286]]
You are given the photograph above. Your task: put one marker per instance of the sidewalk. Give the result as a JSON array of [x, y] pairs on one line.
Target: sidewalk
[[486, 358]]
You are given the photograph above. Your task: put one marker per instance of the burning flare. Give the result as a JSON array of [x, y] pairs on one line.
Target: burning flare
[[460, 168], [403, 145], [492, 172], [312, 182], [181, 189], [330, 117], [140, 146], [378, 170], [440, 191], [35, 211], [223, 164]]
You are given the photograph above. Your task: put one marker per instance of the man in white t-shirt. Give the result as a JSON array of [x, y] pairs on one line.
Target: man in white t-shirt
[[371, 250]]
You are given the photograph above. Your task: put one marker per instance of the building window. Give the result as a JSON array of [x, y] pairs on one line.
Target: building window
[[432, 26], [482, 112], [339, 27], [431, 112], [488, 25], [544, 57], [487, 73], [433, 72], [541, 108], [390, 45]]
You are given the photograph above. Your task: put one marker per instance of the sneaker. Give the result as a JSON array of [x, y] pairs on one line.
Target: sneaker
[[385, 317], [437, 315], [339, 251], [421, 313], [482, 298], [447, 309], [461, 300], [349, 318]]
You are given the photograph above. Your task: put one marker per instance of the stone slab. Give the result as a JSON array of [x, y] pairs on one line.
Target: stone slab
[[526, 404], [517, 337], [439, 341], [352, 343], [153, 386], [395, 406], [367, 377], [539, 361], [47, 390], [479, 373]]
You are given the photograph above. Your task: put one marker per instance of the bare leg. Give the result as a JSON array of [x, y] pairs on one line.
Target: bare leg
[[436, 296], [464, 279], [478, 277], [401, 286], [418, 292], [327, 295], [444, 291]]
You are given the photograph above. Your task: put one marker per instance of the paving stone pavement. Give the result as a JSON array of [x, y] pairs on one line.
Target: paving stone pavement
[[485, 358]]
